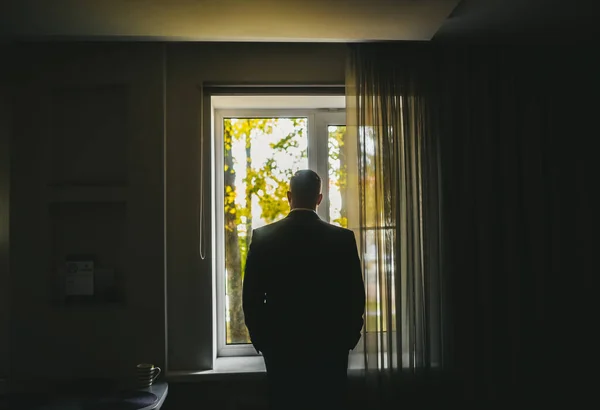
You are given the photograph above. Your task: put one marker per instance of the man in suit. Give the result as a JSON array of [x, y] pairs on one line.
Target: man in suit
[[304, 301]]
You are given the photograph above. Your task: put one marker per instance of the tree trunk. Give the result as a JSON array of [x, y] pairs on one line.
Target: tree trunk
[[248, 189], [236, 332]]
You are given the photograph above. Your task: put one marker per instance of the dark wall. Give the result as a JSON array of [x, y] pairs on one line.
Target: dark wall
[[106, 162], [86, 179], [4, 216]]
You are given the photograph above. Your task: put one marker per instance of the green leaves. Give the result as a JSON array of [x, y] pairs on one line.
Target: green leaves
[[266, 182]]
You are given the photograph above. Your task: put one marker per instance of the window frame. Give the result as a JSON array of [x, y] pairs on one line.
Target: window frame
[[318, 155]]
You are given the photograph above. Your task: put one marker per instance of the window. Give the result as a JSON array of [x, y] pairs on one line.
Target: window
[[257, 150]]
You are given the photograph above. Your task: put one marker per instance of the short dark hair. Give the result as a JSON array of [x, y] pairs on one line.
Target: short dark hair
[[305, 187]]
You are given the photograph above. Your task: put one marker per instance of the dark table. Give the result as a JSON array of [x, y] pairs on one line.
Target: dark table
[[148, 398]]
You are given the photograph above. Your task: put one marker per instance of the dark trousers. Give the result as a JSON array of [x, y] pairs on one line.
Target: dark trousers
[[307, 381]]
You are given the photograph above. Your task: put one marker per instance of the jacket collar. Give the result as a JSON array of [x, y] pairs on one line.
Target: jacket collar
[[303, 213]]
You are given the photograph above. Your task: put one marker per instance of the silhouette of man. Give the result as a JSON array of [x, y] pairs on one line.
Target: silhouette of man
[[303, 301]]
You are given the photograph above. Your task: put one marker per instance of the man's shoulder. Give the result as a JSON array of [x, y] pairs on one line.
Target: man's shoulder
[[269, 228], [273, 227], [336, 228]]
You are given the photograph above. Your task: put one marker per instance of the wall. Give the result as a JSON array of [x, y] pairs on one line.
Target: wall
[[4, 210], [190, 66], [87, 178]]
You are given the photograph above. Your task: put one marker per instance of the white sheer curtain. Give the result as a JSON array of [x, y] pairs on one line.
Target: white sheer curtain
[[391, 127]]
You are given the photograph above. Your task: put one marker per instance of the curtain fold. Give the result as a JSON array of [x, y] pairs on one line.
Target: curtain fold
[[514, 124], [392, 123], [490, 282]]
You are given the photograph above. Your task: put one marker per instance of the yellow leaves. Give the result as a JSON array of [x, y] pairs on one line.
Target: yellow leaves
[[242, 128], [341, 221], [230, 196], [269, 181]]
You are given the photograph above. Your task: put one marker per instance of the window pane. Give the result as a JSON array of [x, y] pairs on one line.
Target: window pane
[[379, 271], [337, 175], [260, 157]]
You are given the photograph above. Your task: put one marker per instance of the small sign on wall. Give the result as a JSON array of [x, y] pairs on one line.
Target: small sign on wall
[[79, 278]]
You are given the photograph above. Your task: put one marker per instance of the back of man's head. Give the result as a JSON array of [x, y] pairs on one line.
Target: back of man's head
[[305, 189]]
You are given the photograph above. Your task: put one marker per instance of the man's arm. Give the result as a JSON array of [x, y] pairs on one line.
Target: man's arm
[[253, 295], [357, 292]]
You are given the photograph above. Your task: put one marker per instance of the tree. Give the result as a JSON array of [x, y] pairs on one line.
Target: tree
[[232, 250], [267, 184], [337, 174]]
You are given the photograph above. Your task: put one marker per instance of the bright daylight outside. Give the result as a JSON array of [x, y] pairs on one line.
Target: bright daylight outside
[[260, 157]]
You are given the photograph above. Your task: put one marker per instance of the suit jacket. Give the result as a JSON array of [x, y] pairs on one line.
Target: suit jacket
[[303, 286]]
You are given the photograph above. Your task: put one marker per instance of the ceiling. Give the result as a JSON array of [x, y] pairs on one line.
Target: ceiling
[[226, 20], [552, 20], [297, 20]]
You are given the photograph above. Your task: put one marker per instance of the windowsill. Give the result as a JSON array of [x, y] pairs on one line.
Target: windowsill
[[225, 368], [243, 367], [240, 364]]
